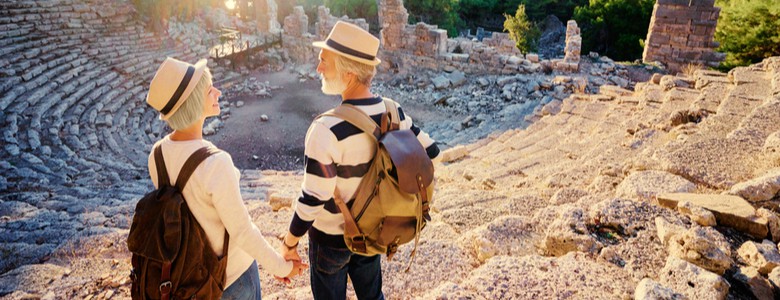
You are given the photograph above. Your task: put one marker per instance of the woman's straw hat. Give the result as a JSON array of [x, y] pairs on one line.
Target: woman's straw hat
[[352, 42], [172, 85]]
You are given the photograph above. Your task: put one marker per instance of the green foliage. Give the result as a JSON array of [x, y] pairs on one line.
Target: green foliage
[[158, 10], [748, 31], [521, 30], [443, 13], [614, 28], [365, 9], [473, 12]]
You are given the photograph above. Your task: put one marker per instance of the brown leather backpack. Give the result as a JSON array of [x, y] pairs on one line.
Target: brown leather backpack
[[172, 258], [391, 204]]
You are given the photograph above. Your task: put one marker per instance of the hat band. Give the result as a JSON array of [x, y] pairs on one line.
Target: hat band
[[346, 50], [180, 90]]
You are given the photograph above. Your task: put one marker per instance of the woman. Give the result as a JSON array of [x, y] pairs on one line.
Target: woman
[[184, 95]]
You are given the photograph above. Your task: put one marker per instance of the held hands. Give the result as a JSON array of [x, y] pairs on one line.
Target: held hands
[[290, 253]]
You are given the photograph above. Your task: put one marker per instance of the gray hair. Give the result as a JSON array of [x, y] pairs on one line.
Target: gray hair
[[363, 73], [192, 109]]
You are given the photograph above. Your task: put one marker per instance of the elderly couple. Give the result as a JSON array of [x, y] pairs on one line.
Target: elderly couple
[[336, 155]]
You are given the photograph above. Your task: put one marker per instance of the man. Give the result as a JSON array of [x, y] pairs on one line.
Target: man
[[337, 156]]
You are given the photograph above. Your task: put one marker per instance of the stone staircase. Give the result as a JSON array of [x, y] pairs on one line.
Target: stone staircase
[[75, 127]]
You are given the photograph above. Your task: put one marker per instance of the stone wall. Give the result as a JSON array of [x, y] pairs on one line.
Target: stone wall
[[393, 18], [297, 39], [266, 16], [571, 56], [681, 33], [501, 42]]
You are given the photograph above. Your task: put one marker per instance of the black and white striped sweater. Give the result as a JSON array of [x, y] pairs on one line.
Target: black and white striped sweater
[[337, 155]]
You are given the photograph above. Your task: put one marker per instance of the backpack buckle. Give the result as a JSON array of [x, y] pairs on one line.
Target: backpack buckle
[[359, 243], [166, 285], [133, 276]]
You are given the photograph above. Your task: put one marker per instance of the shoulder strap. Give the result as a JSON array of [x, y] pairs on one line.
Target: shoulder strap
[[392, 108], [356, 117], [192, 163], [159, 162]]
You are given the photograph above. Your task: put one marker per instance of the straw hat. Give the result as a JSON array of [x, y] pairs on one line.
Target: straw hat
[[172, 84], [352, 42]]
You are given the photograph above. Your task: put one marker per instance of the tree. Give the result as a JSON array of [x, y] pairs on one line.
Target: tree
[[443, 13], [748, 31], [365, 9], [521, 30], [615, 28]]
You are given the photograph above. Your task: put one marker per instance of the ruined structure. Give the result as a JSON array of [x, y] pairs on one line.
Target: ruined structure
[[571, 59], [297, 39], [681, 33], [266, 16]]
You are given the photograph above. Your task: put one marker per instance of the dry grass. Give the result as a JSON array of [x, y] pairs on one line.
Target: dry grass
[[690, 69], [110, 245]]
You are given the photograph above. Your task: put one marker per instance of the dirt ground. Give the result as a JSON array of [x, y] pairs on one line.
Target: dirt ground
[[278, 143]]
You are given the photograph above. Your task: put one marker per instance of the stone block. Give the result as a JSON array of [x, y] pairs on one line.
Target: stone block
[[647, 289], [704, 247], [454, 153], [697, 214], [729, 211], [759, 286], [693, 281]]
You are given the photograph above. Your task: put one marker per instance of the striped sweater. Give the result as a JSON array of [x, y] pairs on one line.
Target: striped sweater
[[337, 155]]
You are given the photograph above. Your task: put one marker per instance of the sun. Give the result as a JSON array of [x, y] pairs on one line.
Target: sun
[[230, 4]]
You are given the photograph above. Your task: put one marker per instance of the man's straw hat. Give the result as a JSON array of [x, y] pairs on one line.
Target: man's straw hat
[[172, 85], [352, 42]]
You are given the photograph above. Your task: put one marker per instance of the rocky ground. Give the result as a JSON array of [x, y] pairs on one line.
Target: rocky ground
[[645, 194]]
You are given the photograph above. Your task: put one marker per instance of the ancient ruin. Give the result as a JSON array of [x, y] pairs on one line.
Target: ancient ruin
[[681, 33], [563, 177]]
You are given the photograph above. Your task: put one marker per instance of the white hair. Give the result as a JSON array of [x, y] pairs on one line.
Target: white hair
[[192, 109], [363, 73]]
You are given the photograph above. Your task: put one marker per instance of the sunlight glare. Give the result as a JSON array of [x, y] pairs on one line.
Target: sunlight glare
[[230, 4]]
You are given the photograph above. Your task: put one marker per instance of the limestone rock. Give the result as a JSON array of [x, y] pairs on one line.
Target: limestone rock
[[773, 222], [697, 214], [567, 195], [507, 235], [457, 78], [454, 153], [628, 217], [441, 82], [758, 189], [668, 82], [30, 278], [759, 286], [729, 211], [279, 199], [774, 277], [647, 184], [647, 289], [552, 108], [764, 256], [693, 281], [704, 247], [568, 232], [667, 230]]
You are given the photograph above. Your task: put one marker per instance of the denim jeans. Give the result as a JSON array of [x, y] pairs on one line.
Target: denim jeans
[[246, 287], [330, 267]]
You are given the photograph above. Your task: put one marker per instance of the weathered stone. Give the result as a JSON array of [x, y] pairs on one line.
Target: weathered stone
[[552, 108], [729, 211], [279, 199], [758, 189], [454, 153], [614, 91], [773, 222], [568, 232], [697, 214], [567, 195], [457, 78], [647, 289], [693, 281], [764, 256], [647, 184], [704, 247], [774, 277], [441, 82], [506, 235], [759, 286], [667, 230]]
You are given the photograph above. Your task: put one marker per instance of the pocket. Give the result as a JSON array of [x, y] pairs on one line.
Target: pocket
[[332, 260], [398, 230]]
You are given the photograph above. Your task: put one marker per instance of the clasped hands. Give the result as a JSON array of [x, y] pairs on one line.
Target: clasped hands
[[290, 253]]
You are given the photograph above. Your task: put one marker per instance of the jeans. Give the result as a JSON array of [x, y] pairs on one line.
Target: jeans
[[246, 287], [330, 267]]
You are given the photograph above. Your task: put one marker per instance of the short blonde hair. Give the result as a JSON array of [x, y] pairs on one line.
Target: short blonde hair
[[363, 72], [192, 109]]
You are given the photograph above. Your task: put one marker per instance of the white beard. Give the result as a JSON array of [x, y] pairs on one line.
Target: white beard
[[333, 87]]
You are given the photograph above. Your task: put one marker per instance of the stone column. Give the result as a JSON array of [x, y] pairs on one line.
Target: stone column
[[266, 16], [681, 33], [393, 18], [573, 46]]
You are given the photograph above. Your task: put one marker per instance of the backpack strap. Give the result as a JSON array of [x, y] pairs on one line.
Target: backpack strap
[[392, 110], [351, 230], [159, 162], [192, 163], [356, 117]]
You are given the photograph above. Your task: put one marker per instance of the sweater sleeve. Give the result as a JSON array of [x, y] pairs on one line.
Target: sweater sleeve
[[319, 180], [425, 140], [221, 180]]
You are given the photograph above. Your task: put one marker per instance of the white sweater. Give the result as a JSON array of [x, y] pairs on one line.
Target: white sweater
[[214, 197]]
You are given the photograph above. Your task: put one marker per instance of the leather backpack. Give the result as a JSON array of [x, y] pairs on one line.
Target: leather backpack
[[390, 206], [171, 255]]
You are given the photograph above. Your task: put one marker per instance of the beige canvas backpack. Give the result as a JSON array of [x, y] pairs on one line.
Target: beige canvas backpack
[[391, 204]]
